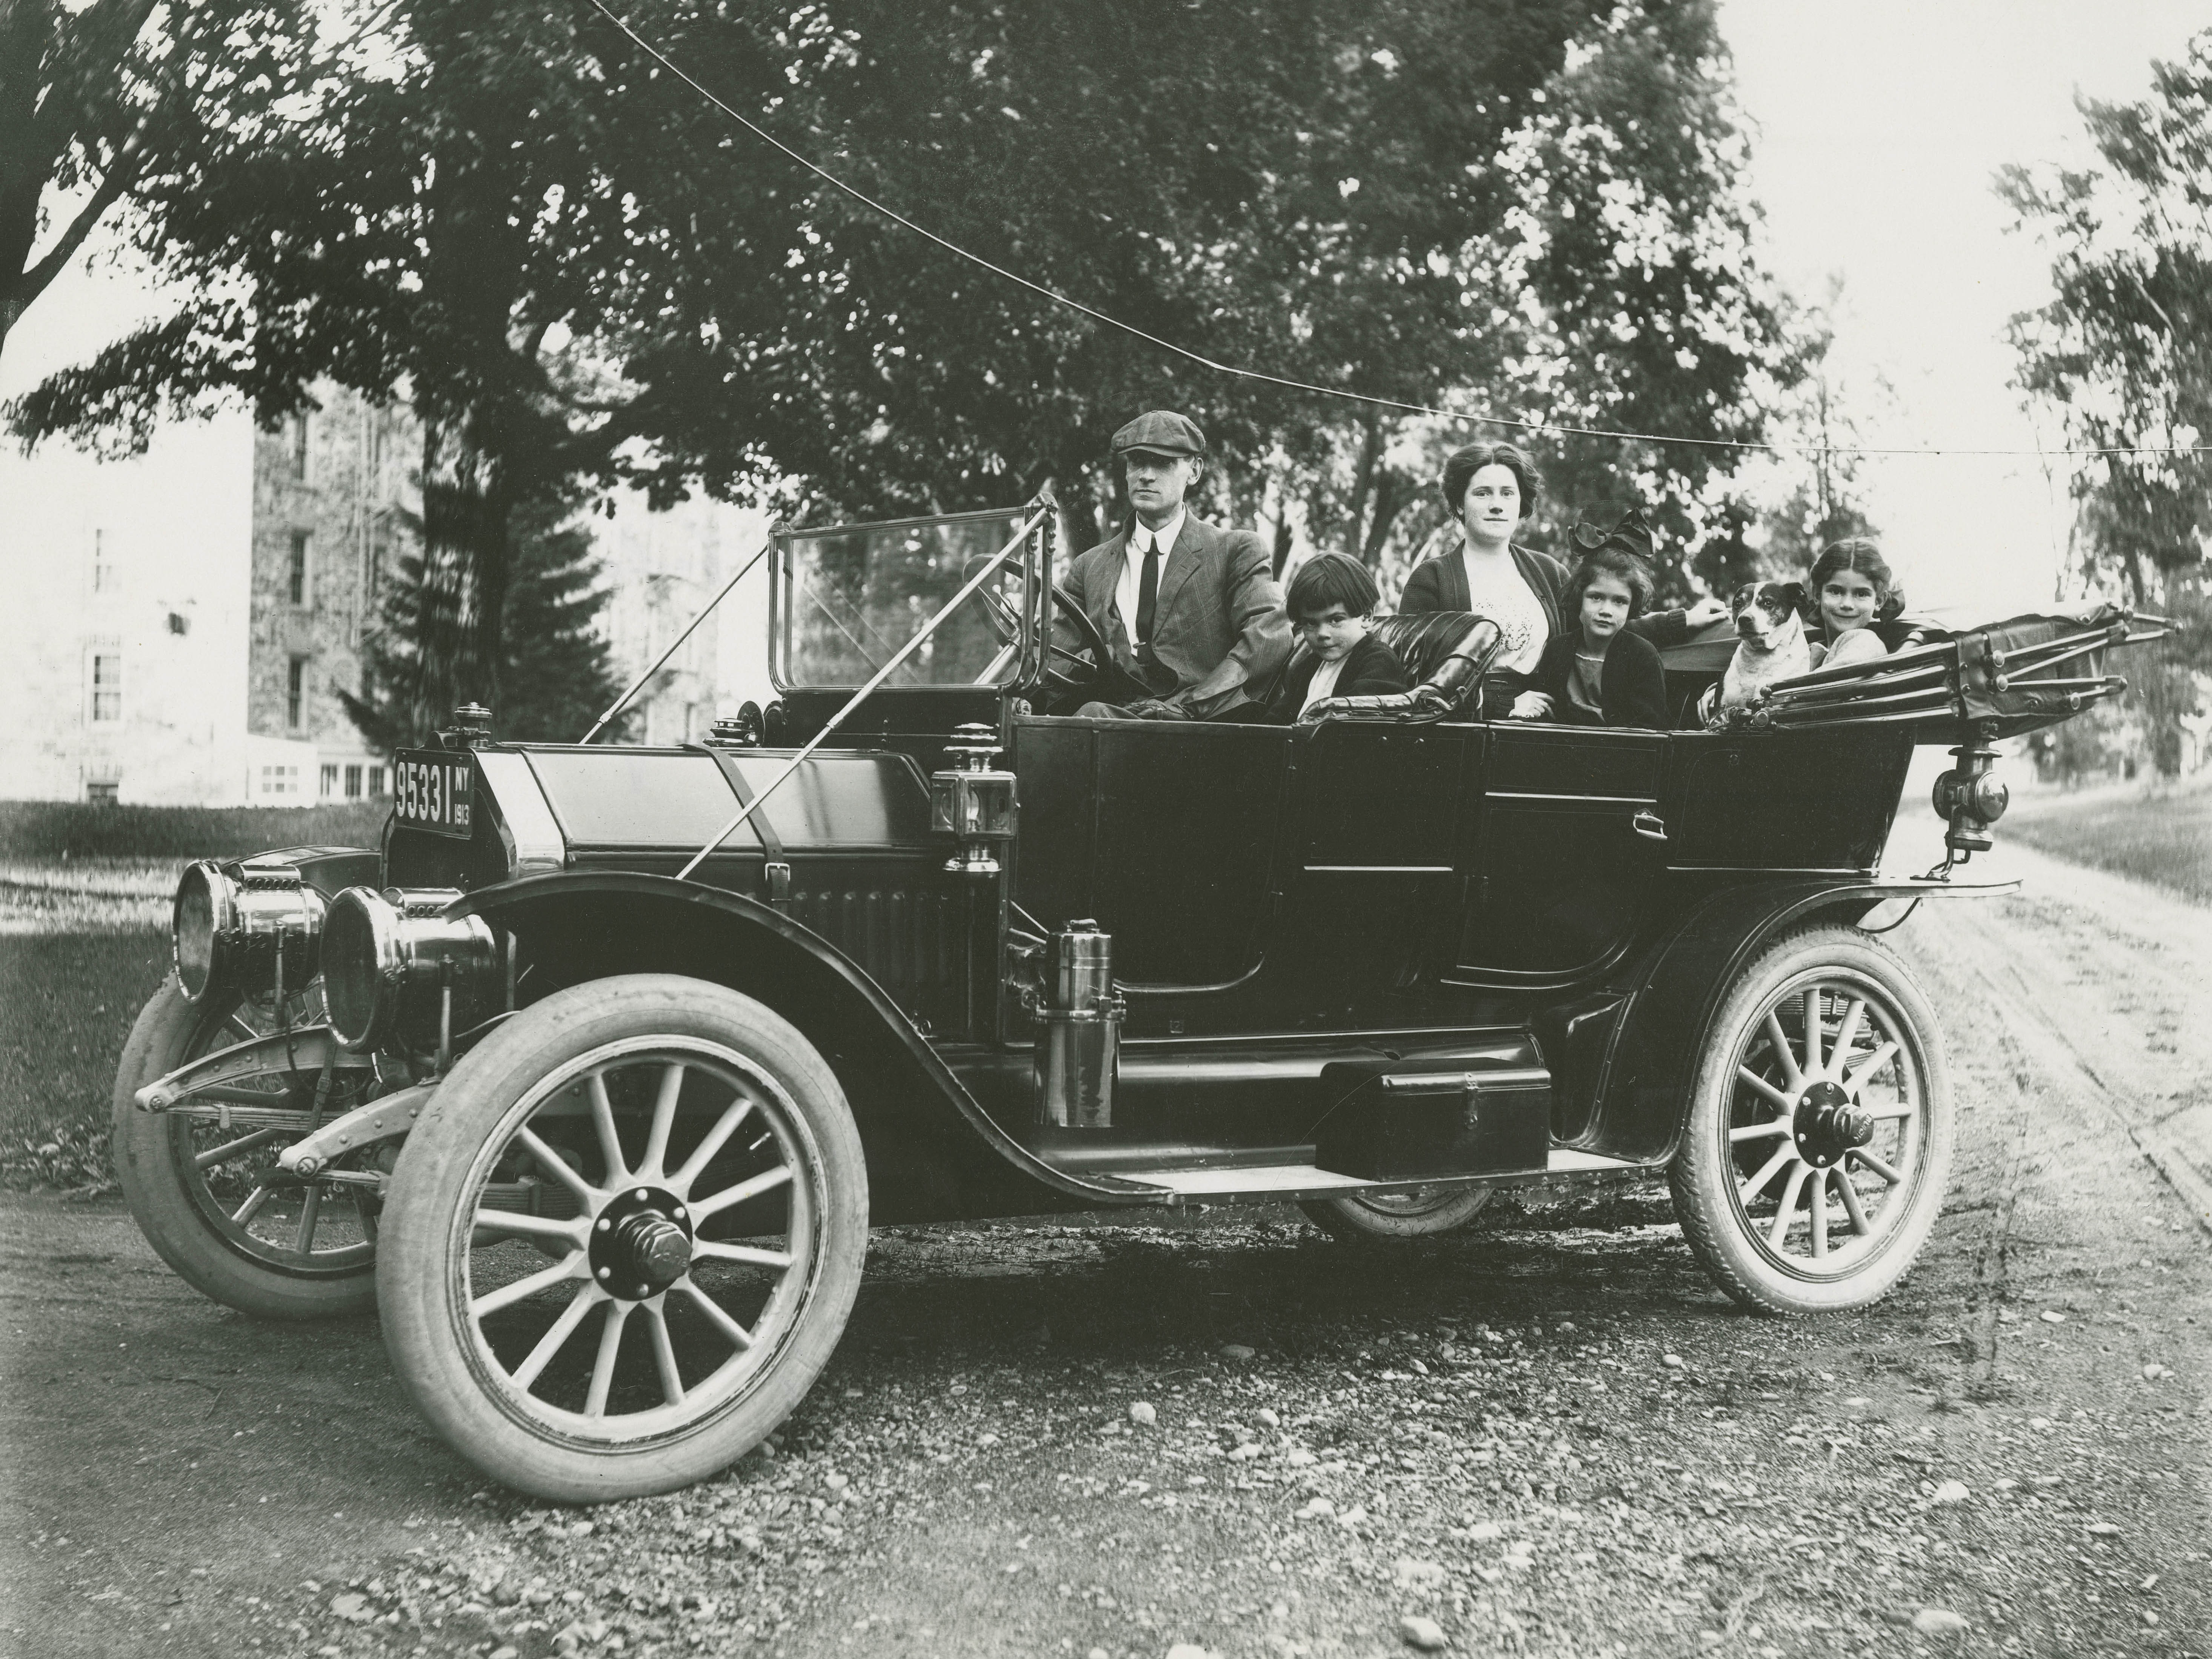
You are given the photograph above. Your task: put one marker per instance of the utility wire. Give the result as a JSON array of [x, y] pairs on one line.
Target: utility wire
[[1075, 304]]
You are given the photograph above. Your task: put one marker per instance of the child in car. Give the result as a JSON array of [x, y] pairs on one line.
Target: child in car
[[1852, 590], [1599, 673], [1331, 603]]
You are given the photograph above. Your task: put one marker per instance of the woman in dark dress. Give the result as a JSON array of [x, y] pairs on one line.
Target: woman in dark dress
[[1490, 487]]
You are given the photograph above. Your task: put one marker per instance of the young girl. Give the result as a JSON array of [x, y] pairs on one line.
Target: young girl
[[1852, 590], [1600, 673]]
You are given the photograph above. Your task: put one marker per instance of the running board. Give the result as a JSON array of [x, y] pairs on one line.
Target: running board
[[1284, 1182]]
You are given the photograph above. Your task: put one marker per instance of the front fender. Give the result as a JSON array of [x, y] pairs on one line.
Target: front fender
[[934, 1152], [1640, 1096]]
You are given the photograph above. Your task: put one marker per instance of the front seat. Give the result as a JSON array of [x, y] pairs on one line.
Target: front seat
[[1446, 653]]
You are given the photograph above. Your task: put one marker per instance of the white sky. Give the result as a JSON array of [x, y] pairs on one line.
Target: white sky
[[1879, 124]]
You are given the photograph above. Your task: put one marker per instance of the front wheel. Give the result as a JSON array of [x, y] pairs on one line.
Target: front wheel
[[687, 1161], [206, 1195], [1423, 1213], [1818, 1146]]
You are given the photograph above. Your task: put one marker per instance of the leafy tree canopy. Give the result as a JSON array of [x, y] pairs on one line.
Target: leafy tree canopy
[[2123, 354], [576, 270], [93, 97]]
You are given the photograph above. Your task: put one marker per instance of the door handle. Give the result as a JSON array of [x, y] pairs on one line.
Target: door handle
[[1649, 825]]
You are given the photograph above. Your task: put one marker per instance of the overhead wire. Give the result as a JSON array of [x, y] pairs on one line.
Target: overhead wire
[[1073, 304]]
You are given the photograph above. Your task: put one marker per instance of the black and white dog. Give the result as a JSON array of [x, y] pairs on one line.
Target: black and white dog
[[1771, 642]]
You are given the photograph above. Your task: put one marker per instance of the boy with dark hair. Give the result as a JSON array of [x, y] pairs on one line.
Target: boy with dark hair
[[1331, 604], [1597, 672]]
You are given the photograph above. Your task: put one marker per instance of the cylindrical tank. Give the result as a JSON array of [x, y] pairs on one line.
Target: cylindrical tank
[[1079, 1052]]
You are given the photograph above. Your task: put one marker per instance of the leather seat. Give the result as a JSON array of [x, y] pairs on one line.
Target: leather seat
[[1446, 653]]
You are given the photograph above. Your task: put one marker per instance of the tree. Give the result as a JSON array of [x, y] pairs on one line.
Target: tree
[[2123, 354], [579, 273], [92, 96], [1620, 288], [559, 673]]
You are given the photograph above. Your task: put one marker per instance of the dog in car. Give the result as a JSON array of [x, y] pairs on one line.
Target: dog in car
[[1771, 643]]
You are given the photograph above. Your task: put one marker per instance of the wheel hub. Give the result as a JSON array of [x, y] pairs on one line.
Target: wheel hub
[[1826, 1125], [641, 1243]]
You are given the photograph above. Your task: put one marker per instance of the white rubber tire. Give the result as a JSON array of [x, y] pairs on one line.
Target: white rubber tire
[[424, 1243], [1706, 1178], [172, 1207]]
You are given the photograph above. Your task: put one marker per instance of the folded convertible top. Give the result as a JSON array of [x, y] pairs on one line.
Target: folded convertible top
[[2006, 677]]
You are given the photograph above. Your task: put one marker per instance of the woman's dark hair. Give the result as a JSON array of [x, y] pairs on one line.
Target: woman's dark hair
[[1328, 579], [1612, 562], [1860, 553], [1463, 464]]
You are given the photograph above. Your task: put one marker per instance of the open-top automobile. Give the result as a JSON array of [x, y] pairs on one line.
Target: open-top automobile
[[595, 1075]]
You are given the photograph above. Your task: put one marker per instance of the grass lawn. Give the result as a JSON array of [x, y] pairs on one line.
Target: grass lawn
[[66, 1004], [2164, 838]]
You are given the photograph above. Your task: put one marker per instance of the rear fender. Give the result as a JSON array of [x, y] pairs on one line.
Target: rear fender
[[934, 1152], [1635, 1079]]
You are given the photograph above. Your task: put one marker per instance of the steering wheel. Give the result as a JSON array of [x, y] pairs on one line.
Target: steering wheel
[[1068, 672]]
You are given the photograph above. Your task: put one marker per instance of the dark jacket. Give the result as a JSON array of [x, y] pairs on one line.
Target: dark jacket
[[1631, 686], [1370, 668], [1219, 630], [1440, 584]]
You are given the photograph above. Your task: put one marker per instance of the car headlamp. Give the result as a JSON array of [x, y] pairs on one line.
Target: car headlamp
[[250, 927], [391, 961]]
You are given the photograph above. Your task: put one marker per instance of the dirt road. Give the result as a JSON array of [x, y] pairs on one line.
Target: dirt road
[[1547, 1435]]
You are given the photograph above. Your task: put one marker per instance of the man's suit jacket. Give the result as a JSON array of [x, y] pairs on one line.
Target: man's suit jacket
[[1370, 669], [1218, 631]]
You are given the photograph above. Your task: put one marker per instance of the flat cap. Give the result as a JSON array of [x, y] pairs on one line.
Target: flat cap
[[1162, 432]]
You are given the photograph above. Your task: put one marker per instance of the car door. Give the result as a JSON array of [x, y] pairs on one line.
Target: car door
[[1567, 852], [1162, 831]]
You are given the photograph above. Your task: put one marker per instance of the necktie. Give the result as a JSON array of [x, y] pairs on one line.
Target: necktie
[[1148, 591]]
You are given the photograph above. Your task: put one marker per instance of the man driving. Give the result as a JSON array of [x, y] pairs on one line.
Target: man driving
[[1190, 611]]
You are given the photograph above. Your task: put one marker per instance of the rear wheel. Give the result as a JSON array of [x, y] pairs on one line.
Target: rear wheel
[[1420, 1213], [688, 1162], [1818, 1146], [208, 1197]]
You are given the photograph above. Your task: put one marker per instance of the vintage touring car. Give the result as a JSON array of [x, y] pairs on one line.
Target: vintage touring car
[[595, 1077]]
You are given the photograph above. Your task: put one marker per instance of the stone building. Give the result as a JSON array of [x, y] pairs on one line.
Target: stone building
[[180, 623]]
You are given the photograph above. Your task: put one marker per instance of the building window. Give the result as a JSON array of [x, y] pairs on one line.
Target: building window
[[375, 781], [298, 435], [353, 782], [295, 693], [179, 624], [329, 780], [101, 794], [280, 779], [106, 688], [106, 579], [296, 576]]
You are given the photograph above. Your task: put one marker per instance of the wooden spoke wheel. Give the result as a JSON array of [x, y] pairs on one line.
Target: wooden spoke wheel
[[624, 1238], [209, 1197], [1818, 1146]]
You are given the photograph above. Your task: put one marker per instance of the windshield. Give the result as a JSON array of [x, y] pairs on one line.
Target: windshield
[[849, 596]]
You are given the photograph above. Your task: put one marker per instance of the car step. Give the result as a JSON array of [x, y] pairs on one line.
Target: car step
[[1282, 1182]]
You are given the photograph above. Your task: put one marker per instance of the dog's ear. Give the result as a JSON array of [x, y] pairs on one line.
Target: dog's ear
[[1797, 599]]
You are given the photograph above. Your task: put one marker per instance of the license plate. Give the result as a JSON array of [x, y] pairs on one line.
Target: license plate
[[435, 790]]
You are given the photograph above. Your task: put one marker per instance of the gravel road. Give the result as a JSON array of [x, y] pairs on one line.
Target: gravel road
[[1545, 1437]]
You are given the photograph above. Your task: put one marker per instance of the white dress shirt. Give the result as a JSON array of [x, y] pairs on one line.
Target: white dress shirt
[[1132, 569], [1323, 683]]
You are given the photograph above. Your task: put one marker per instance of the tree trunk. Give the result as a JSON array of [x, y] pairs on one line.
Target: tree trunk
[[1362, 482]]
